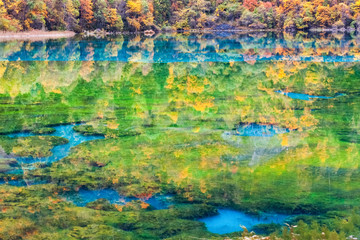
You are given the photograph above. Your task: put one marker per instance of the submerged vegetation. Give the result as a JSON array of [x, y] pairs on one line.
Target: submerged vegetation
[[210, 134]]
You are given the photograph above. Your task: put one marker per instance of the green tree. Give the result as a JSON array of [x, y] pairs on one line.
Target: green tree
[[162, 11]]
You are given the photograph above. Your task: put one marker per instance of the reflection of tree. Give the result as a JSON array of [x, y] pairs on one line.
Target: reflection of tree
[[183, 109], [193, 48]]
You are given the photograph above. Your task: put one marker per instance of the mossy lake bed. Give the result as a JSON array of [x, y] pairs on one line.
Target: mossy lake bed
[[119, 139]]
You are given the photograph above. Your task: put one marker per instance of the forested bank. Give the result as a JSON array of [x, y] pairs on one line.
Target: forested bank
[[139, 15]]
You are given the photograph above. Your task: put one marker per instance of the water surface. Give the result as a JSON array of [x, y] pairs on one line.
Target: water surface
[[264, 122]]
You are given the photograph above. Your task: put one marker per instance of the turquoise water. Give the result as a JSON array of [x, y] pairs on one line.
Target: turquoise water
[[58, 152], [83, 197], [258, 130], [228, 221], [306, 97], [194, 117], [209, 47]]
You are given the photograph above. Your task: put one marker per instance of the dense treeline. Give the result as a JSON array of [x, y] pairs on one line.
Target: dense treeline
[[135, 15]]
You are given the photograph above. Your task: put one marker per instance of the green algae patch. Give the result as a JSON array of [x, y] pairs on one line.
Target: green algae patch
[[183, 112], [101, 204], [44, 130], [33, 146], [102, 130], [7, 164], [46, 213], [88, 130]]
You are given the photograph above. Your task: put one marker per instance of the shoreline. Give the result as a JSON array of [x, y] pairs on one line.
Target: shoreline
[[40, 35], [35, 35]]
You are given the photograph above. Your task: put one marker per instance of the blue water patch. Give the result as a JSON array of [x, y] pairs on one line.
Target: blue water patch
[[84, 196], [58, 152], [259, 130], [166, 49], [228, 221], [305, 97]]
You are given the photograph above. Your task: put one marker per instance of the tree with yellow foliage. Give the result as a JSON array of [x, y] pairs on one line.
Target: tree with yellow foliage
[[114, 20], [140, 14]]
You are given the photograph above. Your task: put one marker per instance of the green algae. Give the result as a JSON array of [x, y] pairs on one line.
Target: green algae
[[33, 146], [43, 130], [164, 126]]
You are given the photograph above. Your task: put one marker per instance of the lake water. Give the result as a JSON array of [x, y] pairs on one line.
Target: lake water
[[265, 122], [228, 221], [58, 152]]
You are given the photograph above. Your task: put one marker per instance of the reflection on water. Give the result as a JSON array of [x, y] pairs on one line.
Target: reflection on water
[[258, 130], [58, 152], [169, 109], [83, 197], [209, 47]]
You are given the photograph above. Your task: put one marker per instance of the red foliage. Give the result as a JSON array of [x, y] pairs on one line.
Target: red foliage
[[250, 4]]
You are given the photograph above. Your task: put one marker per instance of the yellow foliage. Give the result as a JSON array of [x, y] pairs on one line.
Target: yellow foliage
[[193, 86], [137, 90], [284, 141], [240, 98], [201, 105], [281, 74], [174, 116], [112, 124], [184, 173], [134, 6]]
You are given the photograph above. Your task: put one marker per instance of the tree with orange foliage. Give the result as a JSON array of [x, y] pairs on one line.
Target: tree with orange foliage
[[323, 16], [37, 14], [250, 4], [86, 14]]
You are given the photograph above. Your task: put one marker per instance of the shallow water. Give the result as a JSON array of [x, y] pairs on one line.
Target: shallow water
[[228, 221], [169, 48], [258, 130], [58, 152], [83, 197], [305, 97]]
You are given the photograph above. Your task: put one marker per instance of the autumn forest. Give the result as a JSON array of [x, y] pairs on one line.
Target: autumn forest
[[169, 15]]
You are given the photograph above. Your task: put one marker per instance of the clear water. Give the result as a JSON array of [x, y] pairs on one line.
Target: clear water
[[83, 197], [258, 130], [228, 221], [58, 152], [182, 48], [265, 122], [305, 97]]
